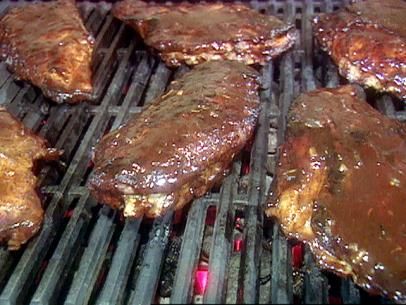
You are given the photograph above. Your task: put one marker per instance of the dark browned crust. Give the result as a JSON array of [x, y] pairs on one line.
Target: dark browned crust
[[367, 40], [48, 45], [340, 187], [21, 213], [181, 144], [194, 33]]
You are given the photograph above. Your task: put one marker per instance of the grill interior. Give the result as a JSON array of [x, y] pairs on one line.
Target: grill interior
[[218, 249]]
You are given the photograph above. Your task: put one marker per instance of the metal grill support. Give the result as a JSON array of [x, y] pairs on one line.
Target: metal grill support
[[86, 254]]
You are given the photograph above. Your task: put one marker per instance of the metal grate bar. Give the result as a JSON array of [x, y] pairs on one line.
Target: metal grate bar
[[104, 31], [114, 110], [307, 44], [105, 70], [287, 79], [66, 139], [76, 295], [189, 253], [92, 260], [62, 258], [124, 257], [332, 78], [400, 115], [55, 122], [147, 279], [281, 285], [135, 91], [3, 6], [78, 164], [349, 292], [17, 107], [386, 106], [158, 82], [85, 12], [316, 285], [113, 289], [281, 276], [287, 93], [127, 80], [4, 75], [281, 264], [37, 249], [89, 14], [33, 119], [221, 247], [95, 21], [9, 91], [24, 272], [5, 264], [144, 293], [332, 75], [256, 195]]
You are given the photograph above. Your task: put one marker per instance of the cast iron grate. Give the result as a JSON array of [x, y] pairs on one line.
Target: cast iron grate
[[220, 249]]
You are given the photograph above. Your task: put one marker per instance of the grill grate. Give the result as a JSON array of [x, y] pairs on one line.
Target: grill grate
[[86, 254]]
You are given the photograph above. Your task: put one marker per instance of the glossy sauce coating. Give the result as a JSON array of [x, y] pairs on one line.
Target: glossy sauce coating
[[21, 213], [367, 40], [48, 45], [341, 187], [194, 33], [181, 144]]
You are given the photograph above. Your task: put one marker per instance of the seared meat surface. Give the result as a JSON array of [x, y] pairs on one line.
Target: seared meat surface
[[341, 187], [20, 207], [180, 145], [194, 33], [48, 45], [367, 40]]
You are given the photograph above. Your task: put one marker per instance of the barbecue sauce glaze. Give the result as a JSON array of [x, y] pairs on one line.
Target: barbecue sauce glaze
[[181, 144], [341, 187], [48, 45], [194, 33], [367, 40], [21, 213]]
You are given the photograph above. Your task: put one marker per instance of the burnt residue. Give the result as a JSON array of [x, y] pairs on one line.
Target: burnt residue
[[170, 264], [48, 45], [21, 213], [194, 33], [341, 187], [367, 40], [180, 145]]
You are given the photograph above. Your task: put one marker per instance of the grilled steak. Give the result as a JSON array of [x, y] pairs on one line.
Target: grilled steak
[[48, 45], [341, 188], [20, 207], [180, 145], [367, 40], [194, 33]]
